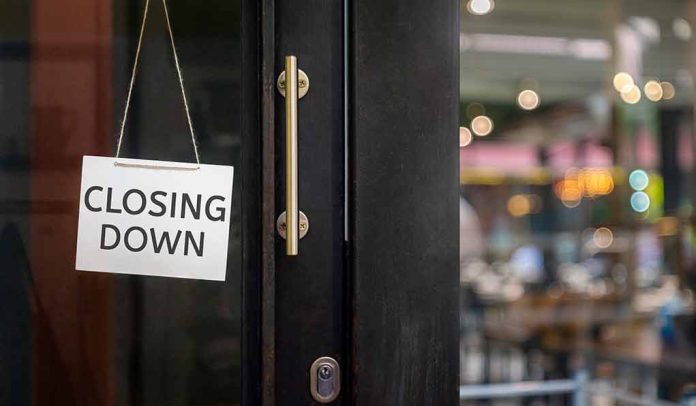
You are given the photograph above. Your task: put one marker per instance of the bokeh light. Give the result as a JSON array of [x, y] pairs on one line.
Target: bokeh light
[[638, 179], [474, 109], [519, 205], [682, 29], [653, 90], [465, 137], [668, 91], [528, 99], [480, 7], [631, 95], [640, 202], [603, 237], [622, 82], [482, 125]]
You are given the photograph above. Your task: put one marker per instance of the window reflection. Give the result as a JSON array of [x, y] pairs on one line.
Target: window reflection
[[83, 338]]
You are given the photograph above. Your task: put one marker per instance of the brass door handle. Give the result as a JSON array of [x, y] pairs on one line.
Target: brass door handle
[[292, 240], [293, 84]]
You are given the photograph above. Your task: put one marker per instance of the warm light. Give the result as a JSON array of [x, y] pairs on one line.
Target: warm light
[[464, 137], [586, 182], [528, 99], [640, 202], [519, 205], [638, 179], [632, 95], [481, 125], [603, 237], [480, 7], [622, 81], [568, 190], [667, 90], [653, 90], [596, 182]]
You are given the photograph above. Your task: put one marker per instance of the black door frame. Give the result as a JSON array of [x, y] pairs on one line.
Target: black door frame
[[402, 273]]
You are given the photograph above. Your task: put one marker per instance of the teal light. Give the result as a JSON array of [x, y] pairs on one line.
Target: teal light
[[640, 202], [638, 180]]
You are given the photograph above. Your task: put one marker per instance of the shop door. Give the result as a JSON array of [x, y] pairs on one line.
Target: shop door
[[304, 291], [359, 309]]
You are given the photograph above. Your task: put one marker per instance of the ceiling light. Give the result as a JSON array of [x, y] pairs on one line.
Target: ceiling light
[[480, 7]]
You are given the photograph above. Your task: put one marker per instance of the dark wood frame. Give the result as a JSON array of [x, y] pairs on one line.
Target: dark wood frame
[[402, 254], [404, 97]]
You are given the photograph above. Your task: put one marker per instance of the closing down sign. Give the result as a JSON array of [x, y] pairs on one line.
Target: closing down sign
[[154, 218]]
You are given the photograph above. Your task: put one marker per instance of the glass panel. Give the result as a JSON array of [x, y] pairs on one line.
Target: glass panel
[[70, 337], [578, 229]]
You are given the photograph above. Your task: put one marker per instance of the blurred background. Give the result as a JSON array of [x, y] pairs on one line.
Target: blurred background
[[578, 238]]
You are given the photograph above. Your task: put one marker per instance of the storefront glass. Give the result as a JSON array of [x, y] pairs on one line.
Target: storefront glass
[[69, 337]]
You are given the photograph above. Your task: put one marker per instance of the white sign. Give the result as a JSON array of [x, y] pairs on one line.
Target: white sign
[[154, 218]]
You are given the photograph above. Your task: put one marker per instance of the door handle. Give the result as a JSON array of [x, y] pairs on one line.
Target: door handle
[[293, 83], [292, 240]]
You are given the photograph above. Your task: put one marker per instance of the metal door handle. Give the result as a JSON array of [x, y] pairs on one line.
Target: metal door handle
[[292, 239], [293, 83], [292, 224]]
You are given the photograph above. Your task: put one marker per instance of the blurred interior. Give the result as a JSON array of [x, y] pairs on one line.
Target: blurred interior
[[578, 225]]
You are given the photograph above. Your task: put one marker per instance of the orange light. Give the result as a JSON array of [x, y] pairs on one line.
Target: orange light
[[519, 205]]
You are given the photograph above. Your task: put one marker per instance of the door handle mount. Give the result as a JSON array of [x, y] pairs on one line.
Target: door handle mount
[[281, 225], [302, 83]]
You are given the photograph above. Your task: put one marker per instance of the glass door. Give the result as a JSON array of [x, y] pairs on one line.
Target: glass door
[[78, 338]]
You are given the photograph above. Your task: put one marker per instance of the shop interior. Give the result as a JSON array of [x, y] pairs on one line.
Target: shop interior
[[578, 187]]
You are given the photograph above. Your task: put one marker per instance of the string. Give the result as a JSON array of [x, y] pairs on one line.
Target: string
[[135, 70]]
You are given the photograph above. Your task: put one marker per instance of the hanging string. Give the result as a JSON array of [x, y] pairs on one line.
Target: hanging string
[[135, 70]]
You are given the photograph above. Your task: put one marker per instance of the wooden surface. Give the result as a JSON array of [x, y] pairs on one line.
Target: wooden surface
[[309, 289], [404, 201]]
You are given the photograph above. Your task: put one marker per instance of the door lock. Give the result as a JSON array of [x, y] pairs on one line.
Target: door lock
[[325, 380]]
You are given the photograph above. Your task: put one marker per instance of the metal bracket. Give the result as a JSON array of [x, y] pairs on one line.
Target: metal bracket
[[325, 379], [302, 84], [281, 225]]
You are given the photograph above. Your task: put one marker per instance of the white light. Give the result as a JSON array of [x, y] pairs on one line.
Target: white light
[[528, 99], [480, 7], [464, 137], [682, 29], [482, 125], [580, 48], [640, 202], [638, 179]]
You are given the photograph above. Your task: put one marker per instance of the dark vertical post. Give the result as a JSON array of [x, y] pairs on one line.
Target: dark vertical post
[[670, 119], [404, 218]]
